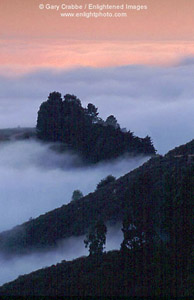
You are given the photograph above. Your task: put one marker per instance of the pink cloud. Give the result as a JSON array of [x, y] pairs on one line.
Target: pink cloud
[[23, 56]]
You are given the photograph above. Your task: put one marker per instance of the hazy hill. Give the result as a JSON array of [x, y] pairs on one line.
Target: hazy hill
[[161, 194], [19, 133], [142, 187], [65, 120]]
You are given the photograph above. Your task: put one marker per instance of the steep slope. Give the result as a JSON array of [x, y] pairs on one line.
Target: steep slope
[[154, 268], [111, 275], [91, 276], [161, 193], [143, 185], [187, 149]]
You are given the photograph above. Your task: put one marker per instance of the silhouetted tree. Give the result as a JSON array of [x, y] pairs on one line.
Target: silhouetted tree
[[72, 99], [105, 181], [133, 233], [112, 121], [148, 145], [81, 129], [49, 123], [92, 112], [77, 194], [96, 238]]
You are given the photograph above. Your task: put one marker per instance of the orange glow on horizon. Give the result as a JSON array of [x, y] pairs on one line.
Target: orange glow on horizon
[[19, 57], [32, 38]]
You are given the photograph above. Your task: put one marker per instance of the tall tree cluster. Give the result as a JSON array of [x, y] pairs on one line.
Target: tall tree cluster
[[96, 238], [162, 249], [65, 120]]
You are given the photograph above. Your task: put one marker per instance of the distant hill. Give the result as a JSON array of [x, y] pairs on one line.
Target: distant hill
[[187, 149], [144, 185], [19, 133], [66, 121]]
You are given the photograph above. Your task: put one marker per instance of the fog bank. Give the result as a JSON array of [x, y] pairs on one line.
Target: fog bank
[[67, 249], [145, 99], [34, 179]]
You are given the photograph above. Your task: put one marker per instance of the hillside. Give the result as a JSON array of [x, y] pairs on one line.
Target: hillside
[[142, 188], [111, 275], [157, 198], [187, 149], [11, 134], [155, 268], [102, 276]]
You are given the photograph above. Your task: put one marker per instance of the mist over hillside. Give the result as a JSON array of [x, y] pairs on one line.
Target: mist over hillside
[[66, 249], [157, 179], [35, 179]]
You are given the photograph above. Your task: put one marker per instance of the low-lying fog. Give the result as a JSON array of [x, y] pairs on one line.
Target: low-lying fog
[[67, 249], [35, 179], [153, 100]]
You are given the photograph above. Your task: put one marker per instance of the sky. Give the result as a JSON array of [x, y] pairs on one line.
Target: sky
[[148, 100], [161, 20], [41, 51], [137, 66], [32, 37]]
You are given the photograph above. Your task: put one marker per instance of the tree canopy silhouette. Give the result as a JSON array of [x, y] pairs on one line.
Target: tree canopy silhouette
[[77, 194], [96, 238], [105, 181], [66, 121]]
